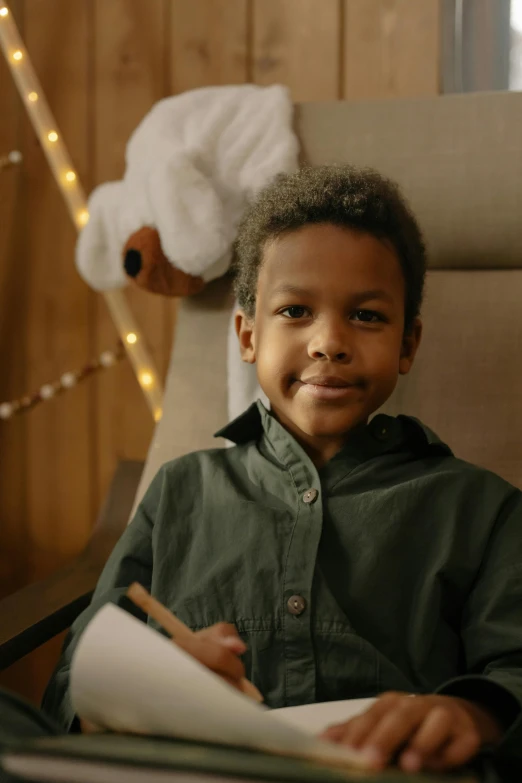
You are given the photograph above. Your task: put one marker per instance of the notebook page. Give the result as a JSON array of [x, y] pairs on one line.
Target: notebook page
[[127, 677], [315, 718]]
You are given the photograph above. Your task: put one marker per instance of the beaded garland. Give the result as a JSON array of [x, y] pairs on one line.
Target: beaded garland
[[67, 381], [12, 159]]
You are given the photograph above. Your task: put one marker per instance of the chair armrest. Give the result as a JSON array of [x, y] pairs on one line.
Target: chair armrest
[[36, 613]]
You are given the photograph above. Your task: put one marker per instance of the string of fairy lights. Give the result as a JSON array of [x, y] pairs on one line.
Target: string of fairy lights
[[68, 181]]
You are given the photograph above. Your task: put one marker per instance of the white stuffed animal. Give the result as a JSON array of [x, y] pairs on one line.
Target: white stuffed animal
[[192, 165]]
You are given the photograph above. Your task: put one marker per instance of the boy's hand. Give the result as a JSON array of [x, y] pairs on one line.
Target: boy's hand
[[218, 647], [430, 732]]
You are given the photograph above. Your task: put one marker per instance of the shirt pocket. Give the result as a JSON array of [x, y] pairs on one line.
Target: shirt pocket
[[348, 667], [233, 568]]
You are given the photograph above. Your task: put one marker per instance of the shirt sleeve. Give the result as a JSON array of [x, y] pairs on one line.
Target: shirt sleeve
[[491, 630], [130, 561]]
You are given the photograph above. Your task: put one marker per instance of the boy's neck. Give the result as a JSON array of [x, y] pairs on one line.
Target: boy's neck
[[320, 448], [319, 453]]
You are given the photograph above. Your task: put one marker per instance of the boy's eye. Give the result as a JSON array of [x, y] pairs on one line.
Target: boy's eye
[[367, 316], [294, 311]]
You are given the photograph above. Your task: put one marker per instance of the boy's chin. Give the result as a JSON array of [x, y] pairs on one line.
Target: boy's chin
[[330, 426], [318, 421]]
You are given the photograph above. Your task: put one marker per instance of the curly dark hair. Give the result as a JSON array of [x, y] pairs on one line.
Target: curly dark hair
[[355, 198]]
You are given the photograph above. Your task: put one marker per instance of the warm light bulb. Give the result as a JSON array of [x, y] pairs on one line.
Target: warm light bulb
[[17, 55], [70, 176], [131, 338], [52, 136], [82, 217], [146, 379], [33, 96], [3, 11]]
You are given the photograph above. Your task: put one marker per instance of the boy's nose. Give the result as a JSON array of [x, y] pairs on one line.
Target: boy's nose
[[330, 342]]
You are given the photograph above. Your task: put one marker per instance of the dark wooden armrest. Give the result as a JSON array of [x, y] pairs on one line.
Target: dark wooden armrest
[[36, 613]]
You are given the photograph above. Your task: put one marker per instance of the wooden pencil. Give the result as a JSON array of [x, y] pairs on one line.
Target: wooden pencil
[[174, 627]]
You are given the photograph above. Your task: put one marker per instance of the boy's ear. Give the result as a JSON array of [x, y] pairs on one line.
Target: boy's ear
[[245, 334], [410, 344]]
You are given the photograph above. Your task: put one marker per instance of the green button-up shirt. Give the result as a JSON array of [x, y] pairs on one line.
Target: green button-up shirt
[[394, 566]]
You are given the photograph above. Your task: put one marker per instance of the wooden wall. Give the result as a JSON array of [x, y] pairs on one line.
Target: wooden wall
[[103, 64]]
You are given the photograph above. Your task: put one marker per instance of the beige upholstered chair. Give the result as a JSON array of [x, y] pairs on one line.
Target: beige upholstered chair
[[459, 162]]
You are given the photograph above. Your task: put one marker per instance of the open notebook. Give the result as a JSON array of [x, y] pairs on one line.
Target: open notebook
[[127, 677], [194, 727]]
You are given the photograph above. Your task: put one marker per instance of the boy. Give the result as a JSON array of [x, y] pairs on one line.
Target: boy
[[353, 556]]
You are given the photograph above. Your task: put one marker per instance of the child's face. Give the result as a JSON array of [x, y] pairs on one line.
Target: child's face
[[328, 333]]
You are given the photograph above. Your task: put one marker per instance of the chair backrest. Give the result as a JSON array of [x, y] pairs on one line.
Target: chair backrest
[[458, 161]]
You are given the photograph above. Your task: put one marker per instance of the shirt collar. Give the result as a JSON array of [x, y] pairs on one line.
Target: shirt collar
[[382, 434], [423, 437], [247, 426]]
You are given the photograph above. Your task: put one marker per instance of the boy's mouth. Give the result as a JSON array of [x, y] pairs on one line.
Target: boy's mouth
[[327, 380], [328, 387]]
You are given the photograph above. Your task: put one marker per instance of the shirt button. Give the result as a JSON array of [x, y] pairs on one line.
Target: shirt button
[[296, 604], [381, 431], [310, 495]]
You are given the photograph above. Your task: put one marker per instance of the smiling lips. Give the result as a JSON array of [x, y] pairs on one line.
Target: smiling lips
[[328, 387]]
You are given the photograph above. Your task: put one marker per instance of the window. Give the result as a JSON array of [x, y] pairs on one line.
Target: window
[[515, 52], [481, 45]]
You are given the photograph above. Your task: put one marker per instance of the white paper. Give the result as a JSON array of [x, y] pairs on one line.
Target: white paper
[[315, 718], [126, 676]]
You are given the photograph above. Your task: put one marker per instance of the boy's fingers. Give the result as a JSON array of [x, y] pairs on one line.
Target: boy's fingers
[[334, 733], [460, 750], [234, 644], [355, 730], [434, 733], [395, 728], [234, 683], [226, 634], [434, 736], [215, 656], [220, 630]]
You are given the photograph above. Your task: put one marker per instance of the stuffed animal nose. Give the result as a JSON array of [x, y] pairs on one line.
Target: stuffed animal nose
[[132, 262]]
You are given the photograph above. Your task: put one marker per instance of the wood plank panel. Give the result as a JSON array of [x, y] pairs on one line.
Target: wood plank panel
[[297, 43], [13, 521], [209, 43], [391, 48], [130, 76], [59, 459], [55, 306], [13, 508]]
